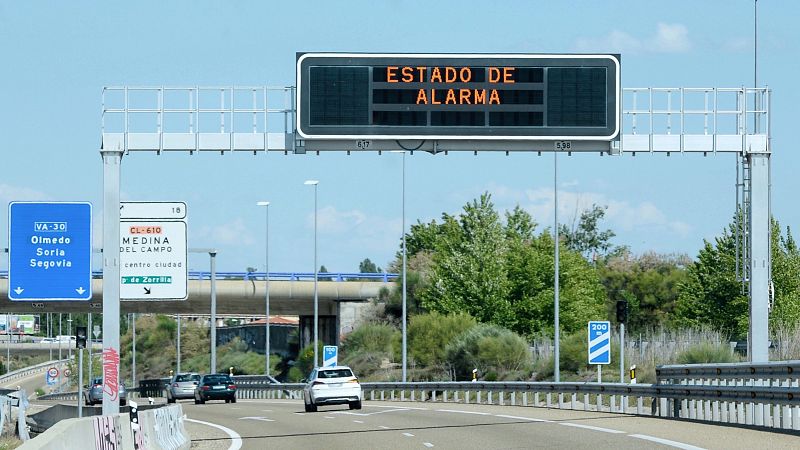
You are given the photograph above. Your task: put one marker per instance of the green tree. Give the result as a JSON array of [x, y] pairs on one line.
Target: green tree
[[648, 282], [586, 237], [469, 272], [367, 266], [712, 295], [530, 266]]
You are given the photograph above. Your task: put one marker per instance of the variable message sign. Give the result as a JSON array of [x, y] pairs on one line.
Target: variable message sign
[[452, 96]]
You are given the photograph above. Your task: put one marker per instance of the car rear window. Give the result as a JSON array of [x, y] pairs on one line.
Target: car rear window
[[335, 373], [217, 379], [186, 377]]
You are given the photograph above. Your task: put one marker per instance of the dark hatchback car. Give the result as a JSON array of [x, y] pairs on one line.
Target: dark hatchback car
[[215, 386]]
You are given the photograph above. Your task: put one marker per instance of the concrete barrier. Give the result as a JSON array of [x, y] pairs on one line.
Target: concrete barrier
[[160, 428]]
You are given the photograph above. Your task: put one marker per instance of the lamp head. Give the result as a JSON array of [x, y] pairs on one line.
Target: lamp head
[[262, 203], [311, 182]]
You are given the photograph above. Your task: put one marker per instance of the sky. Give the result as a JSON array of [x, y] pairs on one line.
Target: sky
[[56, 57]]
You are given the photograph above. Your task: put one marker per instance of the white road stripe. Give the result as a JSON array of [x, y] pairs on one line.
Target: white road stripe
[[666, 442], [263, 419], [350, 413], [408, 435], [464, 412], [384, 427], [236, 439], [404, 407], [358, 421], [427, 444], [330, 417], [522, 418], [589, 427]]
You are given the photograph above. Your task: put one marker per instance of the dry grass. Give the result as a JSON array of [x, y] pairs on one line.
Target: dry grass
[[786, 340]]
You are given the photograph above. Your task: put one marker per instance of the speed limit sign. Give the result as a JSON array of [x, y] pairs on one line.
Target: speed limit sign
[[52, 372]]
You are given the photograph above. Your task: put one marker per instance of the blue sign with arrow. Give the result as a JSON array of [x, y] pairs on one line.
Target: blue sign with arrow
[[49, 251]]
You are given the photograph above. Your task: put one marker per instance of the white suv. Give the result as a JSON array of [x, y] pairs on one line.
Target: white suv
[[332, 386]]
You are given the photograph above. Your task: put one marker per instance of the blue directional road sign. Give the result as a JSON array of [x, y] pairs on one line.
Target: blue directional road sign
[[599, 342], [330, 355], [49, 251]]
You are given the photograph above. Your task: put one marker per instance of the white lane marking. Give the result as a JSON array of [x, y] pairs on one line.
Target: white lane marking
[[236, 440], [427, 444], [666, 442], [464, 412], [266, 410], [368, 414], [263, 419], [404, 407], [358, 421], [384, 427], [299, 414], [330, 417], [589, 427], [523, 418], [408, 435]]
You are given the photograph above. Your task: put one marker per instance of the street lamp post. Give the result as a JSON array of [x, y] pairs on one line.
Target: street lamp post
[[404, 317], [266, 281], [315, 183]]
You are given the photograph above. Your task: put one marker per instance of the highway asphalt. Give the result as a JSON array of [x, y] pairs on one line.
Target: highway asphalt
[[259, 424]]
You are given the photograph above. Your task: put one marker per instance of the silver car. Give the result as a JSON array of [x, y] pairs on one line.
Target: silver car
[[182, 385], [93, 393]]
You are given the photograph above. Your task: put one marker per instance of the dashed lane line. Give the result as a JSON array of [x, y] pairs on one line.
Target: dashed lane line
[[675, 444], [530, 419], [590, 427], [408, 435], [477, 413], [427, 444]]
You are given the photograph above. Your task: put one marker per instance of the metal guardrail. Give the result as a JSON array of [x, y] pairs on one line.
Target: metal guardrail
[[780, 370], [780, 406], [25, 371], [276, 276]]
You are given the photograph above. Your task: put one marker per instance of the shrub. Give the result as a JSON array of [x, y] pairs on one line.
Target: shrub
[[370, 338], [429, 334], [707, 352], [492, 350]]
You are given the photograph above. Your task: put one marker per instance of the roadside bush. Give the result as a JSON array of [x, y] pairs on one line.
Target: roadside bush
[[429, 334], [370, 338], [497, 353], [707, 352]]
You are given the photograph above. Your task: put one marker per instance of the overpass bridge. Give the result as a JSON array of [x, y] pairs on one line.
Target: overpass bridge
[[291, 293]]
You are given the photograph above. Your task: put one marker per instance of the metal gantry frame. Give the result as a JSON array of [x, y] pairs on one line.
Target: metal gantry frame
[[262, 119]]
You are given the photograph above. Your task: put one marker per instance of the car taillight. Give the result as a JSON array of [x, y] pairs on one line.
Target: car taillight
[[231, 386], [205, 388], [174, 384], [354, 380]]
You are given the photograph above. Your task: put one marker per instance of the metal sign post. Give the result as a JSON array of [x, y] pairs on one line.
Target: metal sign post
[[110, 369], [599, 345]]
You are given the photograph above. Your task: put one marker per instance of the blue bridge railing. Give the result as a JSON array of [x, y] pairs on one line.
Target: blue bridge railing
[[276, 276]]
